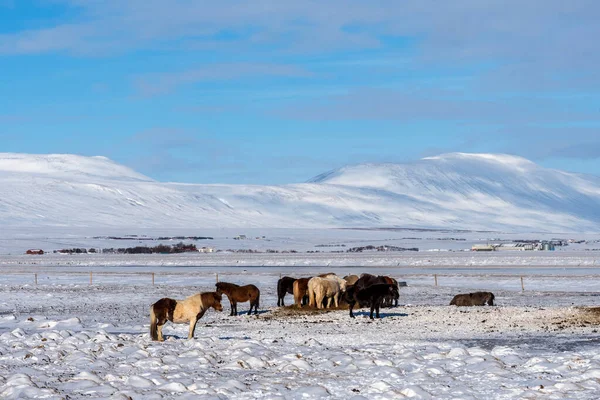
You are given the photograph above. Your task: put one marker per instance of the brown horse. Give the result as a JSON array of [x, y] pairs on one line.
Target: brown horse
[[351, 279], [388, 300], [301, 291], [181, 311], [236, 293], [284, 285]]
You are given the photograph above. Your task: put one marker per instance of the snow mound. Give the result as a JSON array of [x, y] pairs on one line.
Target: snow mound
[[68, 166]]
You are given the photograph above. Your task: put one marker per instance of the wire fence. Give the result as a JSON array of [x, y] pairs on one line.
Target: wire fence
[[510, 282]]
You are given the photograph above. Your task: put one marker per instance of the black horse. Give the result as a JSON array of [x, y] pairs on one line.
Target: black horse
[[284, 285], [367, 280], [370, 296]]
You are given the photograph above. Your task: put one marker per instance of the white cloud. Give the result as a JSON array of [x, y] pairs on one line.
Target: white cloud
[[159, 83]]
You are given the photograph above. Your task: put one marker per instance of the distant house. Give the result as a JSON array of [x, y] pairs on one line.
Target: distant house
[[206, 250], [35, 252], [519, 246], [240, 237]]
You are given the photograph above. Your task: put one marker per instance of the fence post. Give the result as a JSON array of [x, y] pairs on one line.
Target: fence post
[[435, 277], [153, 279], [522, 285], [90, 277], [35, 279], [217, 277]]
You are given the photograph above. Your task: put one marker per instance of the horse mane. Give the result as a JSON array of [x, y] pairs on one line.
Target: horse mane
[[227, 284]]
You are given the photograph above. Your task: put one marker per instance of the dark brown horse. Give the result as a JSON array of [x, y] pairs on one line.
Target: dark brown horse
[[284, 285], [371, 296], [236, 293], [473, 299], [367, 280]]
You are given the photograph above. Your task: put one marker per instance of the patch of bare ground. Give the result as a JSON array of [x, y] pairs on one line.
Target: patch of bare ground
[[457, 322], [583, 318], [295, 311]]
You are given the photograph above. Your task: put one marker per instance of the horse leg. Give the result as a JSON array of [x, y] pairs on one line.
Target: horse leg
[[372, 309], [312, 298], [329, 301], [377, 310], [319, 299], [231, 305], [193, 321], [336, 300], [159, 331], [351, 304]]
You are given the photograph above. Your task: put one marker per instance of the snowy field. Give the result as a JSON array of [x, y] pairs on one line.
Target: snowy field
[[64, 338]]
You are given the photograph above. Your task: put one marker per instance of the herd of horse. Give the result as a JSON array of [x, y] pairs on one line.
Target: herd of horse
[[319, 292]]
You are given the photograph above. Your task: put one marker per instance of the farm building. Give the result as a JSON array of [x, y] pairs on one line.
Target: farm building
[[35, 251], [516, 247]]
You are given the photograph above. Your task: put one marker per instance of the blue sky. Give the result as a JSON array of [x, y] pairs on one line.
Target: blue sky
[[273, 92]]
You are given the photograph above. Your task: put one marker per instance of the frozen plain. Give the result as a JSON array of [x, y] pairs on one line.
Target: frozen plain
[[65, 338]]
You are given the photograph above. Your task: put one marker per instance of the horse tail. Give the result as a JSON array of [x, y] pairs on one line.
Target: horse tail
[[153, 324], [280, 287], [257, 300]]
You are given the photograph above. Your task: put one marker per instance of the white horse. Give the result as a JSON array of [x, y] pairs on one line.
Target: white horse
[[330, 288], [181, 311]]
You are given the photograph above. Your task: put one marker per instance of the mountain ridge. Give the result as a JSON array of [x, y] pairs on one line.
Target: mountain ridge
[[496, 192]]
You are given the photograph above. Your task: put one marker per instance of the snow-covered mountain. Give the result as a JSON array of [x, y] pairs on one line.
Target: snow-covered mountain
[[450, 191]]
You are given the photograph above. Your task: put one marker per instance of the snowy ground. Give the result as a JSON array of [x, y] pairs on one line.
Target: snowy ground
[[65, 338]]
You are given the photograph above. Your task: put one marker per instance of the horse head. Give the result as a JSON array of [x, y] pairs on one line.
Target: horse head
[[343, 284], [217, 303], [219, 287]]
